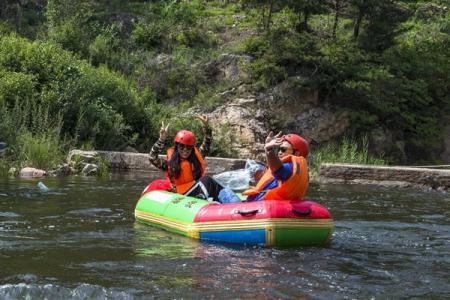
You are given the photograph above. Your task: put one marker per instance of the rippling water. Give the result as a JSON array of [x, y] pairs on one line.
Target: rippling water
[[80, 240]]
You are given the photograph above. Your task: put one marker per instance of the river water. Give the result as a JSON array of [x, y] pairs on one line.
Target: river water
[[79, 240]]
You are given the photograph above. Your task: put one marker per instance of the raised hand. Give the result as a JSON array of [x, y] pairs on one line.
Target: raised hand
[[273, 140], [203, 119], [163, 131]]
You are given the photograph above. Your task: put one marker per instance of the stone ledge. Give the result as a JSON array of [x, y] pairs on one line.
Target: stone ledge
[[140, 161], [391, 176]]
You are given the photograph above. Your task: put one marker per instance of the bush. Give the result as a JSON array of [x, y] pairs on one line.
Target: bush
[[94, 103], [265, 74], [70, 24], [33, 136], [41, 151], [102, 49], [279, 54], [164, 27], [16, 85]]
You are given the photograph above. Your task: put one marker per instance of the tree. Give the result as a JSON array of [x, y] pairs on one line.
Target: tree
[[379, 19], [305, 9], [266, 7], [13, 10], [69, 24]]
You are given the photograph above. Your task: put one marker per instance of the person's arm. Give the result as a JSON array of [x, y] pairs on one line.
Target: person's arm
[[205, 147], [158, 162], [284, 172], [272, 141]]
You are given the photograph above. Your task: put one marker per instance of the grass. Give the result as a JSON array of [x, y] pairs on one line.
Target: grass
[[33, 136], [41, 151], [347, 151]]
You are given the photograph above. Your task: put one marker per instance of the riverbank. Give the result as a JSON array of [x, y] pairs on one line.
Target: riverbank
[[386, 176]]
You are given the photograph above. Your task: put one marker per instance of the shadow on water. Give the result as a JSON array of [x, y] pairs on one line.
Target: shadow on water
[[80, 240]]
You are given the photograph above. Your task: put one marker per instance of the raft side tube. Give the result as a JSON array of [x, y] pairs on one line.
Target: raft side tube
[[267, 209], [170, 205]]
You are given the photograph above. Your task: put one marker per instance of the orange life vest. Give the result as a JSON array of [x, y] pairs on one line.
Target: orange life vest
[[186, 179], [293, 188]]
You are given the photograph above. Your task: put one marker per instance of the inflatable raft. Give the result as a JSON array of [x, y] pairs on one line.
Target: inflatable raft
[[265, 223]]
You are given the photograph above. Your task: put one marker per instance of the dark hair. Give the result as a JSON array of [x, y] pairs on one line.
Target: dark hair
[[175, 162]]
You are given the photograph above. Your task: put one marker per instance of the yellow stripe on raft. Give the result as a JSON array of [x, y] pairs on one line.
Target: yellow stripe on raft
[[194, 229]]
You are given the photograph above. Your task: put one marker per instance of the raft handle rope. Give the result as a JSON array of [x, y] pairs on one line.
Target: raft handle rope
[[248, 212], [302, 213]]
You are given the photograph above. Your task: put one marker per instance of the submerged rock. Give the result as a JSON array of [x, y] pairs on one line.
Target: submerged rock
[[90, 170], [63, 170]]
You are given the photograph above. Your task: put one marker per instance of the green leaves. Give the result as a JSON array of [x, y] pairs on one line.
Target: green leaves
[[94, 103]]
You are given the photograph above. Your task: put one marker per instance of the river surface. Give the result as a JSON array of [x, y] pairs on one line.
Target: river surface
[[80, 240]]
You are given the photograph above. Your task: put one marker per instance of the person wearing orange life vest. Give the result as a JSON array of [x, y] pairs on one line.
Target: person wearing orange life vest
[[287, 176], [184, 163]]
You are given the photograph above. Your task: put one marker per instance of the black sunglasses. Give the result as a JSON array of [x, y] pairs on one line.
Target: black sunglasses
[[283, 149], [183, 146]]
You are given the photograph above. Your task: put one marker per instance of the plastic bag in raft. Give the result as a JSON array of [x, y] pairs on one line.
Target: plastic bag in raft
[[241, 179]]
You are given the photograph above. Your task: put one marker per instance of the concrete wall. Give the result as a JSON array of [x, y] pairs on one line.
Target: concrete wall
[[421, 178], [140, 161], [386, 176]]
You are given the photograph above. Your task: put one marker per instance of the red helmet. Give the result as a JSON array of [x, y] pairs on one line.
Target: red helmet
[[298, 143], [185, 137]]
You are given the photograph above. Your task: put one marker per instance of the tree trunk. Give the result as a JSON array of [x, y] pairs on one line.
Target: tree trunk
[[336, 16], [357, 24], [3, 7], [263, 18], [18, 18], [269, 17], [305, 21]]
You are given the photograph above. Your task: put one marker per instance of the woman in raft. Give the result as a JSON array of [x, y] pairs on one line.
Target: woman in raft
[[184, 165]]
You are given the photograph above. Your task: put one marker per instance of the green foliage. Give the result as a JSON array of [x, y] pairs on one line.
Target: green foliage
[[256, 46], [103, 167], [378, 21], [281, 53], [95, 104], [386, 63], [208, 98], [348, 150], [5, 28], [265, 74], [102, 49], [69, 24], [403, 90], [4, 166], [179, 76], [223, 139], [34, 136], [41, 151], [168, 26], [16, 85]]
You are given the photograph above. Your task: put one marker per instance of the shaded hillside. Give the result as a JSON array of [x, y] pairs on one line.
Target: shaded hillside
[[384, 63]]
